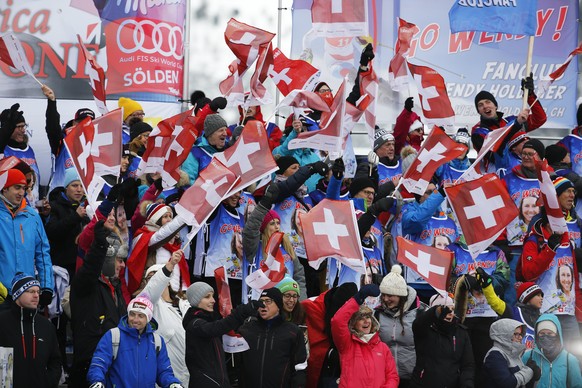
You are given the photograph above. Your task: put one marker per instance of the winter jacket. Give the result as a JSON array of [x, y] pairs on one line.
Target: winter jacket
[[62, 228], [503, 366], [416, 215], [318, 340], [24, 246], [399, 336], [37, 360], [204, 350], [138, 362], [170, 323], [564, 371], [401, 128], [277, 356], [444, 356], [199, 158], [363, 364]]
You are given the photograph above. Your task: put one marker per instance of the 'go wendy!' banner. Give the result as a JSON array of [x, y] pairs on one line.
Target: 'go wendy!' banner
[[139, 44]]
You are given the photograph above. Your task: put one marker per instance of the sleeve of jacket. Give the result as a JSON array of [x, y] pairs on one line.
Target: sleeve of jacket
[[299, 277], [333, 188], [137, 219], [204, 329], [42, 257], [54, 364], [574, 373], [275, 138], [88, 233], [166, 232], [200, 117], [157, 284], [54, 132], [190, 167], [283, 149], [421, 325], [538, 117], [534, 263], [101, 361], [497, 304], [497, 368], [86, 277], [165, 375], [59, 223], [416, 217], [298, 373], [467, 378], [392, 379], [251, 235], [401, 129], [501, 274], [294, 182], [339, 325]]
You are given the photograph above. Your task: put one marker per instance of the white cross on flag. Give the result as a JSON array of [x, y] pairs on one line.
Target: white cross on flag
[[96, 78], [250, 157], [302, 100], [436, 106], [12, 54], [330, 229], [339, 18], [433, 264], [168, 147], [290, 74], [272, 270], [436, 150], [549, 198], [212, 186], [259, 94], [330, 136], [483, 208], [397, 69]]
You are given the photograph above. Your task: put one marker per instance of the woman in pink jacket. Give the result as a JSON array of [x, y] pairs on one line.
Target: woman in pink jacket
[[366, 361]]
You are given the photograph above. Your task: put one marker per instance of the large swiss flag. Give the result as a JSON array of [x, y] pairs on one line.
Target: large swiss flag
[[290, 74], [339, 18], [271, 270], [397, 74]]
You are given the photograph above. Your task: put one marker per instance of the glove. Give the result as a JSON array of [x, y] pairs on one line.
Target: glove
[[338, 168], [101, 385], [471, 283], [409, 104], [385, 189], [381, 205], [105, 207], [100, 233], [114, 193], [158, 184], [10, 117], [367, 55], [555, 241], [483, 278], [537, 372], [129, 187], [218, 103], [373, 158], [46, 297], [271, 195], [366, 291], [442, 312], [527, 83], [319, 168]]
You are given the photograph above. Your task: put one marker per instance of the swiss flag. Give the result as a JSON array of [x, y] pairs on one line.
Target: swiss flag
[[12, 54], [96, 77], [231, 342], [397, 69], [168, 147], [339, 18], [250, 157], [544, 84], [212, 186], [303, 100], [436, 150], [330, 229], [433, 264], [483, 208], [272, 270], [550, 198], [291, 74], [330, 137], [436, 106], [259, 93]]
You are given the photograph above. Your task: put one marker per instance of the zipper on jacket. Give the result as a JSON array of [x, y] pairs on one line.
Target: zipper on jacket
[[263, 356], [211, 379], [21, 234]]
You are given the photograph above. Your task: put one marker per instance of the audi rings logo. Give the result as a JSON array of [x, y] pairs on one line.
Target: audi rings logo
[[150, 37]]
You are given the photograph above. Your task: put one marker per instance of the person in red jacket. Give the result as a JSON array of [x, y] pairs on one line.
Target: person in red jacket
[[366, 361]]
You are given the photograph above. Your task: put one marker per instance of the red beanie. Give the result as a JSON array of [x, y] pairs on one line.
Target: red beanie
[[528, 290], [14, 177], [271, 215]]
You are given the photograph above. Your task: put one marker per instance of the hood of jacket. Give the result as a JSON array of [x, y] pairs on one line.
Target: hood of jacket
[[501, 333], [554, 319]]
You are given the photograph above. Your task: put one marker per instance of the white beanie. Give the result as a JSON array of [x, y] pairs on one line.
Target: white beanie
[[196, 292], [394, 283], [141, 304], [441, 300], [549, 325]]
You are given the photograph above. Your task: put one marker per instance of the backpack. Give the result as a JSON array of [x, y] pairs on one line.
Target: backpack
[[116, 335]]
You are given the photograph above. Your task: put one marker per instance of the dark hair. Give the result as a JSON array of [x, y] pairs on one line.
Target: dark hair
[[558, 284], [297, 316]]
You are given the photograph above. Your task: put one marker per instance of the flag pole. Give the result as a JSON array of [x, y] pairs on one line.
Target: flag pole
[[186, 72], [279, 16], [527, 70]]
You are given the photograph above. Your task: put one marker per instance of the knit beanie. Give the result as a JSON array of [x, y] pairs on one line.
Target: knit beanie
[[154, 268], [138, 128], [555, 154], [394, 283], [359, 184], [363, 312], [537, 146], [440, 300], [288, 284], [70, 176], [196, 292], [275, 294], [141, 304], [213, 123], [562, 184], [155, 211], [21, 283], [284, 162], [416, 124], [484, 95], [380, 137], [548, 325], [13, 177], [528, 290], [271, 215], [407, 156], [129, 106], [463, 137], [517, 138], [83, 113]]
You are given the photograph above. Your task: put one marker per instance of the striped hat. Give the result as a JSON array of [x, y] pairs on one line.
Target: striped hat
[[155, 211], [562, 184]]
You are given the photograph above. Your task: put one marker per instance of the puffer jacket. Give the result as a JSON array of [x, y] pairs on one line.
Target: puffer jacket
[[363, 364]]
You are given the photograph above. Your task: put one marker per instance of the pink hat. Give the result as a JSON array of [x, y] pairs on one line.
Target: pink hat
[[141, 304], [271, 215]]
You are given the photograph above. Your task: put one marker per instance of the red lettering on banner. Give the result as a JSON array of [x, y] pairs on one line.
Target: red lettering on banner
[[428, 38], [21, 21], [461, 41], [486, 37], [566, 260], [286, 204], [535, 192], [543, 17], [226, 228]]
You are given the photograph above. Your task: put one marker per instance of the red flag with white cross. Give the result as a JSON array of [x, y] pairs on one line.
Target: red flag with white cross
[[96, 79], [437, 149], [249, 157], [397, 69], [483, 208], [272, 269], [168, 147], [290, 74], [330, 229], [231, 341], [339, 18], [549, 197], [433, 264]]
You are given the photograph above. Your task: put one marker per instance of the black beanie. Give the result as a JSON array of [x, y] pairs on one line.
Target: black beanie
[[537, 146], [555, 153], [359, 184], [484, 95], [275, 294], [138, 128], [284, 162]]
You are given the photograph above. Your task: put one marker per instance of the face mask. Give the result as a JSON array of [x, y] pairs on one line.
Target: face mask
[[327, 97], [517, 348], [550, 345]]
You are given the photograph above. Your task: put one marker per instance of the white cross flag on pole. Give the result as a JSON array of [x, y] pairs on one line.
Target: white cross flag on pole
[[271, 270]]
